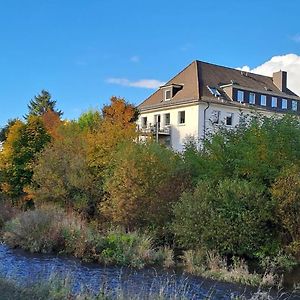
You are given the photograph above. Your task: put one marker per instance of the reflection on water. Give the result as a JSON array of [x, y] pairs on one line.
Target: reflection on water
[[26, 268]]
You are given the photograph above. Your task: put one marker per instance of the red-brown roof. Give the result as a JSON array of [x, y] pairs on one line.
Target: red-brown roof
[[198, 75]]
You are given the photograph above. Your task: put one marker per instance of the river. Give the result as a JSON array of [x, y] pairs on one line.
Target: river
[[29, 268]]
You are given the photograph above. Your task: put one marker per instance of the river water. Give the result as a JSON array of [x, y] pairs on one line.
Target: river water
[[29, 268]]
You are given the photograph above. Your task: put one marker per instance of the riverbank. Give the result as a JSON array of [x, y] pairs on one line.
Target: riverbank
[[19, 269], [51, 230]]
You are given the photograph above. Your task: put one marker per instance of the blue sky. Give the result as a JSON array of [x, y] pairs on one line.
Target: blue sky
[[83, 52]]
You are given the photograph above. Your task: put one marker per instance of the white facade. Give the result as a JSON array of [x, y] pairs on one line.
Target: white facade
[[179, 132], [201, 119]]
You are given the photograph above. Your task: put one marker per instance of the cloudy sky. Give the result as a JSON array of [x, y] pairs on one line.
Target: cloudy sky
[[83, 52]]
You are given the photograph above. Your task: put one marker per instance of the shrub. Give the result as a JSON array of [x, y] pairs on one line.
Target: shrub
[[286, 194], [50, 229], [36, 230], [234, 217], [145, 181]]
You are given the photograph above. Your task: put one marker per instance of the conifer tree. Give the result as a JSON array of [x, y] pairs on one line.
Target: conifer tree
[[42, 103]]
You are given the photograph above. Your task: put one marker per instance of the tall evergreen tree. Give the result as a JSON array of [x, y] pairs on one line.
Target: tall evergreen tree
[[41, 103]]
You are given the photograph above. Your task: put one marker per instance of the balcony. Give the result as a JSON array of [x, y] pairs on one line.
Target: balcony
[[151, 129]]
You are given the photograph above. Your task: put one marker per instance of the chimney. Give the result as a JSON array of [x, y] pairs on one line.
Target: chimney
[[280, 79]]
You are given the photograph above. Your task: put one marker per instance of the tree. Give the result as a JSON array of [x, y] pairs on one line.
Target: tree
[[256, 150], [41, 103], [117, 126], [24, 141], [286, 193], [4, 130], [61, 173], [146, 180], [90, 120], [233, 216], [52, 123]]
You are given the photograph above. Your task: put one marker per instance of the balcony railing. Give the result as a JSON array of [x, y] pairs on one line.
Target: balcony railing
[[152, 129]]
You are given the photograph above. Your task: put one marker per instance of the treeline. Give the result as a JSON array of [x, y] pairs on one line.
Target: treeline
[[239, 196]]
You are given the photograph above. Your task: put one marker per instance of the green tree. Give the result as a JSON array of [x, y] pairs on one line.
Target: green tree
[[24, 141], [233, 216], [90, 120], [41, 103], [258, 149], [286, 193]]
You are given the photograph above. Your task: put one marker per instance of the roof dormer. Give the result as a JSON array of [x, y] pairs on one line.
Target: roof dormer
[[170, 90]]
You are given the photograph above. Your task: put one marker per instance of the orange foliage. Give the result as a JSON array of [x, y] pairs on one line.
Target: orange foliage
[[52, 122], [118, 125]]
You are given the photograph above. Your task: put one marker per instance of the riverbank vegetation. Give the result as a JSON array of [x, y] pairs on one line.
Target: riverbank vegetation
[[88, 188]]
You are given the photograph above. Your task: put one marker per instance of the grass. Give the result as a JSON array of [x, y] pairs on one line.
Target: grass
[[57, 288], [211, 265], [51, 230]]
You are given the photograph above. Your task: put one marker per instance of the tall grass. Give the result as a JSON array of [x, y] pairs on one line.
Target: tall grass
[[50, 229], [210, 264], [58, 288]]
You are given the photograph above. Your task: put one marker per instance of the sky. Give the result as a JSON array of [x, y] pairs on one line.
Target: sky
[[85, 51]]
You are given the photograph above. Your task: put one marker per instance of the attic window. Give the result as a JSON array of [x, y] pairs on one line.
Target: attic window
[[168, 95], [214, 91]]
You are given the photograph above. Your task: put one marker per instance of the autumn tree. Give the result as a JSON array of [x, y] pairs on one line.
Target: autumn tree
[[24, 141], [145, 181], [117, 125], [52, 123], [42, 103], [4, 130], [62, 175]]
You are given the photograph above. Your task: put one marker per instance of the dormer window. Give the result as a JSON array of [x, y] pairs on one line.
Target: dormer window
[[240, 96], [168, 95], [214, 91], [170, 91]]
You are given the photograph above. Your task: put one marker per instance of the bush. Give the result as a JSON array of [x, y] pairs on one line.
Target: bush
[[145, 181], [36, 230], [50, 229], [234, 217]]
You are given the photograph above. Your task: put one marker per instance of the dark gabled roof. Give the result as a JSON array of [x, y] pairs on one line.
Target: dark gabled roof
[[198, 75], [214, 75]]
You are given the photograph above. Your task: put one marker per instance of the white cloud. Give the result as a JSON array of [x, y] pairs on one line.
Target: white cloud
[[142, 83], [135, 59], [288, 62]]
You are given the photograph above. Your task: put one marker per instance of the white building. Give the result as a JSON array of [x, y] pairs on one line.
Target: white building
[[203, 96]]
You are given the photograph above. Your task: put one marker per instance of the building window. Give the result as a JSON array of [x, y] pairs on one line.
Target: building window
[[215, 117], [252, 98], [167, 95], [214, 91], [167, 119], [181, 117], [229, 119], [240, 96], [144, 122], [274, 101], [284, 104], [263, 100], [294, 105]]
